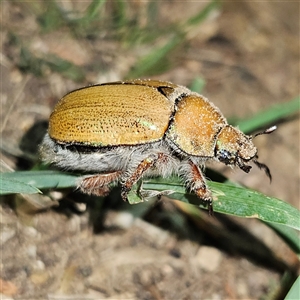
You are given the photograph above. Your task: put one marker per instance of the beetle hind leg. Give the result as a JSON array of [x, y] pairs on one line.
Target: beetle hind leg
[[98, 184]]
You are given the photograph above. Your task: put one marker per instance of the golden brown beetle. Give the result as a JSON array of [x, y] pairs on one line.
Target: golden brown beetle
[[123, 131]]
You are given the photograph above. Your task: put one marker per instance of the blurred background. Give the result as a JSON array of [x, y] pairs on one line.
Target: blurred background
[[243, 56]]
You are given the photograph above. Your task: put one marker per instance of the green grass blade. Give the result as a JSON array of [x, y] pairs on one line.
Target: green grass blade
[[203, 14], [120, 19], [93, 10], [270, 116], [52, 18], [64, 67], [229, 199], [36, 179], [11, 186], [294, 293], [289, 235], [155, 62], [197, 85]]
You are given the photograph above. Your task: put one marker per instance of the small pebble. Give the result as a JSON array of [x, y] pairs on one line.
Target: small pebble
[[208, 258], [30, 231], [124, 220], [39, 266], [6, 234], [31, 251]]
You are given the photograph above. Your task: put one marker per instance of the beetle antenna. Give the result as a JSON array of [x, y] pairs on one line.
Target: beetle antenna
[[265, 168], [266, 131]]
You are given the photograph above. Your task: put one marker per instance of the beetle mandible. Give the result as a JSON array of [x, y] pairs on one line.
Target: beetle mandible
[[123, 131]]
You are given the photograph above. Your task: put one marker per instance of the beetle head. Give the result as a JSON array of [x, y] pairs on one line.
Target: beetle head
[[236, 149]]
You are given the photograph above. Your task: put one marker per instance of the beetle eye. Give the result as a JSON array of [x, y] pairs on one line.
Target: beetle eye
[[224, 156]]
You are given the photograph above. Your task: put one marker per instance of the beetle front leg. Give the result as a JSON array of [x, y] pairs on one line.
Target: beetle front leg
[[196, 182], [138, 172]]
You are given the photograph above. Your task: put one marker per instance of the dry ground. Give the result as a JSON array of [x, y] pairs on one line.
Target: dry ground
[[248, 54]]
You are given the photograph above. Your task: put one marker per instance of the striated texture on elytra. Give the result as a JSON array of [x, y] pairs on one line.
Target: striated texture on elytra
[[195, 126], [108, 115]]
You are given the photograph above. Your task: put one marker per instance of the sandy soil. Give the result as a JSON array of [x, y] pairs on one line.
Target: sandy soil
[[248, 54]]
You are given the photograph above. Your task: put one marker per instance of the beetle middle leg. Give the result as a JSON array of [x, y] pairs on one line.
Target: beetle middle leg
[[97, 184], [138, 172]]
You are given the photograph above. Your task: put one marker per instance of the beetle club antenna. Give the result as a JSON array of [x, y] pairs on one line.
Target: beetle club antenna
[[266, 131], [260, 165]]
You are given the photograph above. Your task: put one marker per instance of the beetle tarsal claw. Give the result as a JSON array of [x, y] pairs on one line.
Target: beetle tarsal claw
[[210, 208], [124, 193]]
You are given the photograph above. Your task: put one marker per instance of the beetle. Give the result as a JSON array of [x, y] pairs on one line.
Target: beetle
[[119, 132]]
